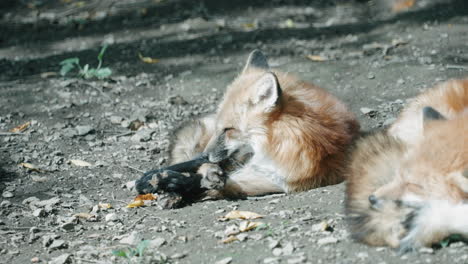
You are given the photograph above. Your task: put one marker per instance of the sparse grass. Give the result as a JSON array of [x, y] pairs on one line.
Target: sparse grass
[[86, 71], [129, 253]]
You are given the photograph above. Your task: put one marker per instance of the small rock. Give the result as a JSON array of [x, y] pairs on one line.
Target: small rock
[[231, 230], [83, 130], [366, 110], [68, 226], [47, 240], [370, 75], [116, 120], [273, 243], [7, 194], [288, 249], [327, 240], [58, 244], [224, 261], [142, 135], [39, 212], [62, 259], [35, 260], [111, 217], [297, 260], [131, 239], [178, 255], [5, 204], [130, 185], [277, 252], [362, 255], [426, 250], [157, 242]]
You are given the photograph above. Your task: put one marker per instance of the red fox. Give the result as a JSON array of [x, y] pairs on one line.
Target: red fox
[[272, 133], [411, 190]]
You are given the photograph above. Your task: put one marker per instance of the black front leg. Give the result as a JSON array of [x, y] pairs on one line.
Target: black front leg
[[180, 178]]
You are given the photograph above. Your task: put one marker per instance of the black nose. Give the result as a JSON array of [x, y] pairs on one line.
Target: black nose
[[373, 199]]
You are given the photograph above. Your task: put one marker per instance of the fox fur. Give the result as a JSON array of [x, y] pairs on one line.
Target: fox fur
[[409, 187], [283, 134]]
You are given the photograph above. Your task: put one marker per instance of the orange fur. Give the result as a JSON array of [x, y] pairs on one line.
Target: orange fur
[[299, 140], [419, 172]]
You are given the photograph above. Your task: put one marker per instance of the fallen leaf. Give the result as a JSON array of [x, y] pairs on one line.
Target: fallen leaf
[[147, 59], [46, 75], [134, 204], [240, 215], [105, 205], [316, 58], [229, 239], [146, 197], [249, 26], [30, 167], [245, 226], [20, 128], [80, 163], [402, 5]]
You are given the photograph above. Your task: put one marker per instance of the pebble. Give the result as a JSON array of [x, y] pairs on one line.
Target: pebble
[[142, 135], [157, 242], [7, 194], [62, 259], [131, 239], [327, 240], [39, 212], [116, 120], [366, 110], [83, 130], [224, 261], [111, 217], [57, 244]]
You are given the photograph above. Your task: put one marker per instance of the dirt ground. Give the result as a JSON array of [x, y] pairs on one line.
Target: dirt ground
[[370, 56]]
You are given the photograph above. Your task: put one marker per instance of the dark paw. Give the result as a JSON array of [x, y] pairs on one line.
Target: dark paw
[[164, 181], [212, 175]]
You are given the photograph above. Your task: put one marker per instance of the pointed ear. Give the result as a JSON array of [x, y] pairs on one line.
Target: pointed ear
[[430, 114], [266, 92], [256, 60]]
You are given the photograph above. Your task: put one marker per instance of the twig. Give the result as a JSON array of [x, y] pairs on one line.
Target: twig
[[125, 134], [133, 168], [136, 222]]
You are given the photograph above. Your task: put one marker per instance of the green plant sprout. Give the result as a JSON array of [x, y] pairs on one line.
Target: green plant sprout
[[86, 71], [129, 253]]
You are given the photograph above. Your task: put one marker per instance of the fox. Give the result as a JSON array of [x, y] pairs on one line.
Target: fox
[[271, 133], [408, 187], [449, 98]]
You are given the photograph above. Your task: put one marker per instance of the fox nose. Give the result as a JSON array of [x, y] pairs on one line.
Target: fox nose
[[373, 199]]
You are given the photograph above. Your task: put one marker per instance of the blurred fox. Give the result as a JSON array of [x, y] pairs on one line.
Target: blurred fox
[[409, 188], [272, 133]]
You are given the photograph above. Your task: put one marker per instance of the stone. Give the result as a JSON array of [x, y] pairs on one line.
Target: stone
[[131, 239], [83, 130], [62, 259], [157, 242], [224, 261], [327, 240]]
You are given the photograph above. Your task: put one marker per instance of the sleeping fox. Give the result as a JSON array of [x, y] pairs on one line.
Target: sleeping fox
[[271, 133], [409, 188]]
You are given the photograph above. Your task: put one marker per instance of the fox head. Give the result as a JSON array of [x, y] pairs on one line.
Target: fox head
[[250, 101], [437, 168]]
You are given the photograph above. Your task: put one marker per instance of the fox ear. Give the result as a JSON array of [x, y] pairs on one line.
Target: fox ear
[[256, 60], [266, 92], [430, 114]]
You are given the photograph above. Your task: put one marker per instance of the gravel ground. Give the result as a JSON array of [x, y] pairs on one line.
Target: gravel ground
[[81, 151]]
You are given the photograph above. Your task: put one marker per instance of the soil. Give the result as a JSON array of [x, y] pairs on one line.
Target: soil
[[371, 57]]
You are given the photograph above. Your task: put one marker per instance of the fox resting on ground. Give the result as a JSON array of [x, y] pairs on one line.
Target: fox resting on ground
[[409, 187], [272, 133]]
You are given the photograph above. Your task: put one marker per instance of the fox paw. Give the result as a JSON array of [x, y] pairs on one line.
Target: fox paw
[[163, 180], [212, 176]]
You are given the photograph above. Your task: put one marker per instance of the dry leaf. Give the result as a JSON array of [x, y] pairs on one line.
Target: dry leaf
[[402, 5], [134, 204], [146, 197], [20, 128], [46, 75], [147, 59], [80, 163], [249, 26], [316, 58], [245, 226], [229, 239], [240, 215], [30, 166], [105, 205]]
